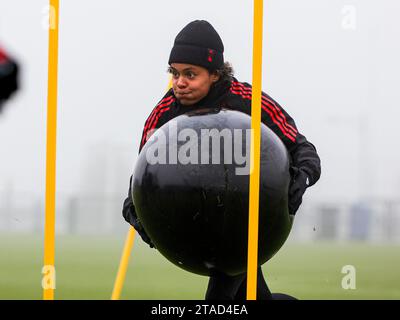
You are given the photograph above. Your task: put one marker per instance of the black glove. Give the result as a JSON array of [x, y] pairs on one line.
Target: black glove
[[298, 185], [130, 216]]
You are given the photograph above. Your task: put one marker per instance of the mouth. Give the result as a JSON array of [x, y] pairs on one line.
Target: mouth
[[182, 93]]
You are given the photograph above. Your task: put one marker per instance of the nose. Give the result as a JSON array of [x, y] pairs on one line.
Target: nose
[[180, 82]]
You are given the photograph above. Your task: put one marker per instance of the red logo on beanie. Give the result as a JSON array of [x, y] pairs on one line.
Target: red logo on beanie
[[211, 54]]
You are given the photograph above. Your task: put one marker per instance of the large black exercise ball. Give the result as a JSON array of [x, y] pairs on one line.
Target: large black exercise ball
[[191, 193]]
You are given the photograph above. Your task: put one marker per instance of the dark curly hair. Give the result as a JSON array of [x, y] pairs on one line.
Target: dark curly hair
[[226, 73]]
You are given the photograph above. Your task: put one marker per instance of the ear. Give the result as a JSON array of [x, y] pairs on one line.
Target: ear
[[215, 77]]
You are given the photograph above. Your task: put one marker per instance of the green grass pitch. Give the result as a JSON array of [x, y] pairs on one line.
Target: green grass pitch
[[86, 267]]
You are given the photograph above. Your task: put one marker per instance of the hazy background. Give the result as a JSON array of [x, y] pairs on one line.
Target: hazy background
[[333, 65]]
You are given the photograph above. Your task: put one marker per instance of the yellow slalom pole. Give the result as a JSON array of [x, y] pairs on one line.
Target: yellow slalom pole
[[48, 281], [252, 255], [123, 265]]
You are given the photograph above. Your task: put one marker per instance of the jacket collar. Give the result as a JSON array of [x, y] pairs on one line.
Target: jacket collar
[[214, 97]]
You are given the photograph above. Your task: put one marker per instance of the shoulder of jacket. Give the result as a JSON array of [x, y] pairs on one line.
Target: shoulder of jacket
[[169, 95], [240, 90], [167, 100], [245, 87], [163, 105], [240, 83]]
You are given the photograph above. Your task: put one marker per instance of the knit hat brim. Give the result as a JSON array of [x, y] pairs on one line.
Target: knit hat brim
[[204, 57]]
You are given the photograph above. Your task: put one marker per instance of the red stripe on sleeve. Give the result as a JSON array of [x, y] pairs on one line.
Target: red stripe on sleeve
[[160, 105], [265, 97], [267, 108], [277, 110], [155, 116]]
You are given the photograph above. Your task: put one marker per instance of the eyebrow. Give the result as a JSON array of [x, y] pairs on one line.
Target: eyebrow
[[186, 69]]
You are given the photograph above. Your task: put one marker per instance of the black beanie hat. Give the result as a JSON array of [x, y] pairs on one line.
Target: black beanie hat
[[199, 44]]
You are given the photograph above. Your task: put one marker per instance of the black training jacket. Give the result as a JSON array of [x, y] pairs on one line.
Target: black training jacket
[[237, 96]]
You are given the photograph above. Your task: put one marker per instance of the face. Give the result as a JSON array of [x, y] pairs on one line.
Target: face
[[191, 83]]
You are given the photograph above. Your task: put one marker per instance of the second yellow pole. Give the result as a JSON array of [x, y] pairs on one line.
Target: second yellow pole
[[254, 191], [48, 282]]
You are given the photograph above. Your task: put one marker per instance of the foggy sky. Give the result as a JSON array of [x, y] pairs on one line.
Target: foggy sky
[[340, 85]]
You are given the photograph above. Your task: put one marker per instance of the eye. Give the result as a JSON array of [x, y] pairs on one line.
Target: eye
[[173, 72], [190, 75]]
